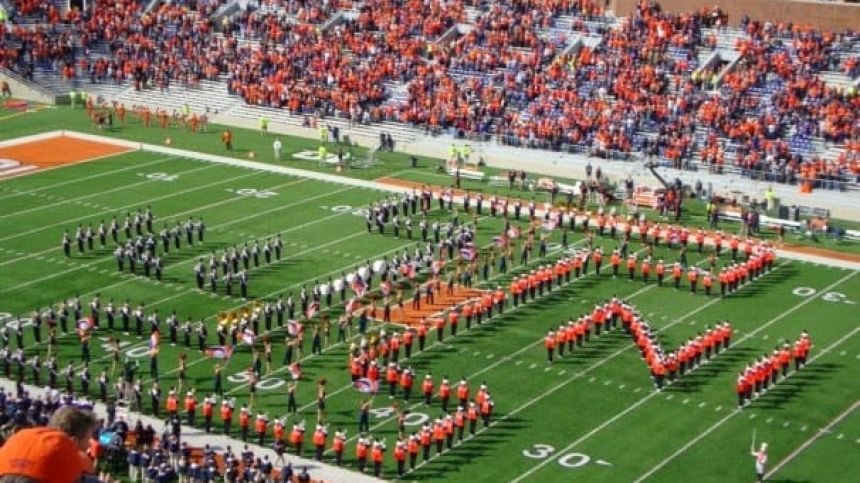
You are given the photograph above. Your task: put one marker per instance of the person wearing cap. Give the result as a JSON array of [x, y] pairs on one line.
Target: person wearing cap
[[44, 455], [760, 460]]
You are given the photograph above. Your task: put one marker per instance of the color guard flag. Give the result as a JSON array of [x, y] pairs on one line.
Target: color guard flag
[[366, 386], [295, 371], [84, 324], [468, 252], [248, 337], [219, 352], [549, 225], [499, 241], [313, 308], [293, 327], [358, 286], [385, 287], [513, 232], [154, 339]]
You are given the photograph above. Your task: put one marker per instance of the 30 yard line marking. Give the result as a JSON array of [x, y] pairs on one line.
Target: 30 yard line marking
[[645, 399], [734, 413]]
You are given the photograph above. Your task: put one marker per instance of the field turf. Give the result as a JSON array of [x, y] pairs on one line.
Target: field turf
[[592, 415]]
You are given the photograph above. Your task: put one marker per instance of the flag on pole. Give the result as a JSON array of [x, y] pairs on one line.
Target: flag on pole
[[248, 336], [219, 352], [358, 286], [84, 324], [293, 327], [468, 252], [154, 339], [296, 371], [313, 308], [549, 225], [513, 232], [385, 287], [351, 305], [499, 241], [366, 386]]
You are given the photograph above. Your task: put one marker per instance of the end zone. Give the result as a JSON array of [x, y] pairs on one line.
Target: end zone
[[30, 154]]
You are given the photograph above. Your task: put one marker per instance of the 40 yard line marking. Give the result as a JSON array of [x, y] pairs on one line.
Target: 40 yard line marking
[[87, 178]]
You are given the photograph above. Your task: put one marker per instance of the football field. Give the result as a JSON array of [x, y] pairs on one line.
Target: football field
[[592, 415]]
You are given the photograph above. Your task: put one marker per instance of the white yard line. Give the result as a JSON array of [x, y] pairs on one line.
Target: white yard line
[[86, 178], [115, 210], [635, 405], [718, 424], [76, 200], [806, 444]]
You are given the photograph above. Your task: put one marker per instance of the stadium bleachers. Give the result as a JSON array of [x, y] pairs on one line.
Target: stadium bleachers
[[563, 75]]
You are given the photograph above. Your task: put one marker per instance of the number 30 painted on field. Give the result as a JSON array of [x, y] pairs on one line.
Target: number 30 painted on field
[[570, 460], [829, 296]]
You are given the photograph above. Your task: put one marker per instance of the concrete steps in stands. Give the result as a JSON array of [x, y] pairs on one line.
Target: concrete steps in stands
[[400, 133], [838, 80], [210, 97]]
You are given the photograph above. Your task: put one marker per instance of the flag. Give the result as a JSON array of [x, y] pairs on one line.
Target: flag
[[313, 308], [248, 337], [295, 371], [351, 305], [385, 287], [84, 324], [154, 339], [549, 225], [499, 241], [437, 267], [293, 327], [513, 232], [366, 386], [468, 252], [219, 352], [358, 286]]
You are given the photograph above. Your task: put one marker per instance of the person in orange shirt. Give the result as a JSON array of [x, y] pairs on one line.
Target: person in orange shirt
[[454, 321], [463, 392], [227, 139], [413, 446], [549, 344], [646, 269], [660, 270], [741, 388], [445, 393], [439, 435], [297, 437], [320, 435], [427, 389], [440, 329], [615, 261], [190, 407], [338, 445], [260, 426], [407, 378], [400, 452], [676, 275], [361, 449], [707, 282]]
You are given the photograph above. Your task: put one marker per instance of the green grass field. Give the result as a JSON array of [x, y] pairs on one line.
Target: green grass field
[[592, 415]]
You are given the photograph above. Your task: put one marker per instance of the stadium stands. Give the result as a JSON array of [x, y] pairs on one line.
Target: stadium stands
[[771, 101]]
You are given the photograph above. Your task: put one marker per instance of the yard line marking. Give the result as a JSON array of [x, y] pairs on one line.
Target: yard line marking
[[547, 369], [686, 401], [769, 420], [195, 209], [192, 259], [669, 397], [642, 401], [702, 404], [622, 386], [85, 178], [490, 356], [734, 413], [118, 209], [518, 363], [718, 409], [786, 424], [637, 390], [752, 416], [532, 366], [561, 372]]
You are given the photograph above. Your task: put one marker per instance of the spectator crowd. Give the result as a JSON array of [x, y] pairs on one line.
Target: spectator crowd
[[514, 71]]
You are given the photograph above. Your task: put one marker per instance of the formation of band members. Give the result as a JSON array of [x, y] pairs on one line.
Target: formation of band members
[[765, 371], [135, 241]]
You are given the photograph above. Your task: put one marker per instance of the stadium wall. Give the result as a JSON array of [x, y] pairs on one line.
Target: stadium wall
[[833, 16]]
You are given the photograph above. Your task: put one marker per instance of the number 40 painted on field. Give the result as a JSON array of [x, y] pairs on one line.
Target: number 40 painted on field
[[829, 296]]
